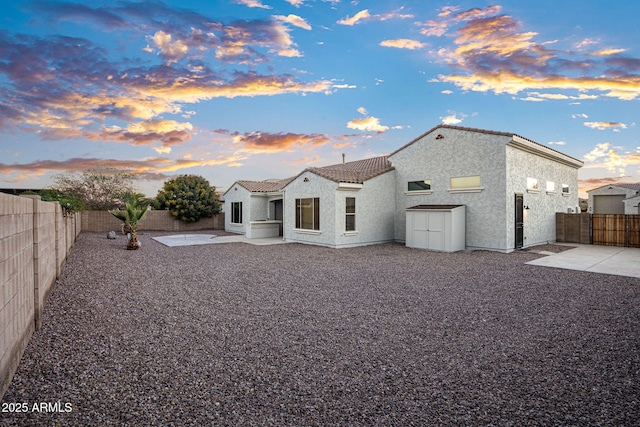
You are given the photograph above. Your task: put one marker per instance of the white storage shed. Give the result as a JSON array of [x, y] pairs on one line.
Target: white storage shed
[[436, 227]]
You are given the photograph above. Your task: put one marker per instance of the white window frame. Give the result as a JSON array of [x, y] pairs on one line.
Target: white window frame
[[315, 215], [457, 184], [234, 215], [533, 186]]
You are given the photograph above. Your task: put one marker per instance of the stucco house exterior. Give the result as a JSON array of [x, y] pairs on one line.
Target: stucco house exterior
[[509, 187], [614, 199]]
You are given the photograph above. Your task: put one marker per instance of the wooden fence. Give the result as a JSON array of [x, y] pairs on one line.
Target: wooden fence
[[598, 229]]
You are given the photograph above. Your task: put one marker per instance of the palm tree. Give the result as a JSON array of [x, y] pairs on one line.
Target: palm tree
[[134, 210]]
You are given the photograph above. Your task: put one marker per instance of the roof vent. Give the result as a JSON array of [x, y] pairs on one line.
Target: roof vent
[[440, 136]]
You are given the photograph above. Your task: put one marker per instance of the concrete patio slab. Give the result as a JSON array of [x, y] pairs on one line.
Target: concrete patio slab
[[597, 259], [210, 239]]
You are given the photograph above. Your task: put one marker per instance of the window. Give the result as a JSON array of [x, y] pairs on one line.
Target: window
[[350, 220], [565, 188], [465, 182], [532, 185], [551, 187], [419, 185], [308, 214], [236, 212]]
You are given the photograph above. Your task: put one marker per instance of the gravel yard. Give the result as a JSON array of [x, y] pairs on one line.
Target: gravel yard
[[298, 335]]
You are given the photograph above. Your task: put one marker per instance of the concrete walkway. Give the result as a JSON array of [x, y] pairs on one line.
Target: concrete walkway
[[210, 239], [597, 259]]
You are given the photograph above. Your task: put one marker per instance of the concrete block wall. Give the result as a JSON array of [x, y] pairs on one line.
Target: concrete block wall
[[154, 220], [31, 257]]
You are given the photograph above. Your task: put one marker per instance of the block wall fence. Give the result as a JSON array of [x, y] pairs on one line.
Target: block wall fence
[[161, 220], [35, 239]]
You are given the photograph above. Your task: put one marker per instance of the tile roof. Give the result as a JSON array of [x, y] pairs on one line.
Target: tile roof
[[356, 172], [629, 186], [266, 186]]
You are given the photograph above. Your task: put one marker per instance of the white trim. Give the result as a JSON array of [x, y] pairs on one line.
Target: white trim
[[303, 231], [533, 190], [552, 192], [350, 233], [566, 194], [349, 186], [418, 192], [465, 190], [542, 151], [236, 224]]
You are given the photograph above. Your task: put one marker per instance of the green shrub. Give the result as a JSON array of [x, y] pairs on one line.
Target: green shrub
[[189, 198]]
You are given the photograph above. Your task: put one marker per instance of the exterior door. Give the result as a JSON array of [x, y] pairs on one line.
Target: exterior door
[[519, 221], [278, 213]]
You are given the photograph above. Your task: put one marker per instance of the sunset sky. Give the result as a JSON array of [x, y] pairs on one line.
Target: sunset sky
[[257, 89]]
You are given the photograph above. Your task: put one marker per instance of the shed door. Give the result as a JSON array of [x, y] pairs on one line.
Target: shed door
[[435, 231], [427, 230], [608, 204]]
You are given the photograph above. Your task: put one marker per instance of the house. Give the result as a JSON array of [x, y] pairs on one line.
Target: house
[[506, 189], [614, 199]]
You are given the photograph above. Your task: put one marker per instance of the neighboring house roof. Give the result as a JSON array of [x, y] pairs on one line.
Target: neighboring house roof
[[353, 172], [542, 147], [635, 187], [266, 186]]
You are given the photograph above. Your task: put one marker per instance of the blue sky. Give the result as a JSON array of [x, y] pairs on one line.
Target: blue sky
[[257, 89]]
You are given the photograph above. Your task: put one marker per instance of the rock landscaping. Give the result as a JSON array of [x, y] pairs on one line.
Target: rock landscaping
[[300, 335]]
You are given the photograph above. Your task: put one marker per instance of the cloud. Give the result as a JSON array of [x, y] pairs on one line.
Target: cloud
[[402, 44], [296, 3], [355, 19], [450, 120], [605, 125], [607, 52], [65, 88], [364, 15], [367, 124], [252, 4], [294, 20], [557, 143], [493, 54], [149, 168], [579, 116], [362, 111], [265, 142], [604, 156]]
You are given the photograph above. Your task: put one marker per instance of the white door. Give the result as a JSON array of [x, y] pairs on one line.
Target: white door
[[435, 240], [420, 230]]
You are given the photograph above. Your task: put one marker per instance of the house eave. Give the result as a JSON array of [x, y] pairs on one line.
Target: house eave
[[542, 151]]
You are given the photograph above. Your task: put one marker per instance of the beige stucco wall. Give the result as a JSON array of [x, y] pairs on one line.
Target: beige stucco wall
[[237, 194], [459, 153], [540, 219], [316, 186]]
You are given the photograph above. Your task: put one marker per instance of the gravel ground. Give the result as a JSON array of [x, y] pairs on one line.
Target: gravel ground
[[298, 335]]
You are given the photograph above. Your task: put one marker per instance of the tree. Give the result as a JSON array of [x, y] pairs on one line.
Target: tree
[[189, 198], [69, 202], [98, 189], [134, 210]]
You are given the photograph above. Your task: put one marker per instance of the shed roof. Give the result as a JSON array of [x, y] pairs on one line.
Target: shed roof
[[433, 207]]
